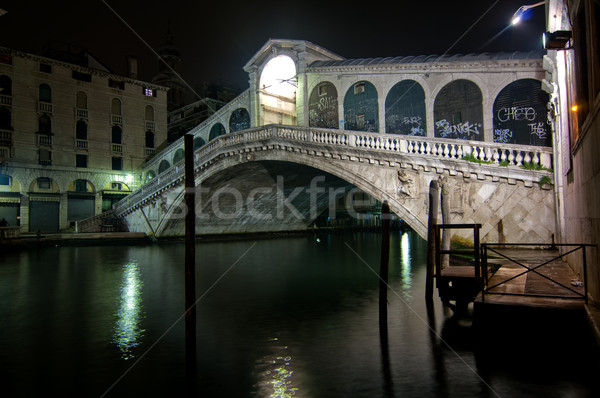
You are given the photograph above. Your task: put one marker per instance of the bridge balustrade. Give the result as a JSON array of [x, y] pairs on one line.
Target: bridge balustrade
[[481, 152]]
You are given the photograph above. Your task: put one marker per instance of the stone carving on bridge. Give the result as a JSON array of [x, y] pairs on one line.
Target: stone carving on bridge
[[407, 184]]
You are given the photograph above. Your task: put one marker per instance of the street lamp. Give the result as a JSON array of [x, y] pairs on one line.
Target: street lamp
[[519, 14]]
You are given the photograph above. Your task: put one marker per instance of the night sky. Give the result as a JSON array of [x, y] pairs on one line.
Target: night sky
[[216, 42]]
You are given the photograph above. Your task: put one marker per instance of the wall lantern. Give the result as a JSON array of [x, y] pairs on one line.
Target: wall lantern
[[559, 40]]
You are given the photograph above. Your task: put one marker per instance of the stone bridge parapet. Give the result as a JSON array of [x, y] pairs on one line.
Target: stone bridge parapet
[[388, 167]]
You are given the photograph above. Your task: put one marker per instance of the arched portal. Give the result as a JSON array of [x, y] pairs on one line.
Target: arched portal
[[521, 114], [277, 91], [458, 111]]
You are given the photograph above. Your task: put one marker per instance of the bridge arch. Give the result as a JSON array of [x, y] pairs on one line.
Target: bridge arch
[[323, 106], [178, 156], [277, 90], [521, 115], [216, 130], [405, 109], [163, 166], [361, 107], [239, 120], [458, 111], [234, 173]]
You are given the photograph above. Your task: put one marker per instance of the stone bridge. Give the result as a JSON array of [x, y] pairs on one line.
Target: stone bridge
[[280, 178]]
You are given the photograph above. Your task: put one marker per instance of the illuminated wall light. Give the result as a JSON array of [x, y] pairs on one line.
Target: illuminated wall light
[[574, 108]]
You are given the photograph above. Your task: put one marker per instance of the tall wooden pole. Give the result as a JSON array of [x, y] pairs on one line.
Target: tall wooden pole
[[190, 264], [445, 220], [384, 263], [434, 204]]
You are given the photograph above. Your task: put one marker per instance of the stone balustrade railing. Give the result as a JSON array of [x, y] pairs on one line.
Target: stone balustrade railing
[[445, 149]]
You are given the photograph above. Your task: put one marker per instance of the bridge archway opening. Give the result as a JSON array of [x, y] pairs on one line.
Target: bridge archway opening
[[275, 195], [277, 91]]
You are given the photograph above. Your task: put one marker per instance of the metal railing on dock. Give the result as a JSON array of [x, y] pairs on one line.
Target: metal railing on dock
[[490, 283]]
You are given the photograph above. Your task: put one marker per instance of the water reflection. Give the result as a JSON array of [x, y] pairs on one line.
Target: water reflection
[[127, 331], [275, 373]]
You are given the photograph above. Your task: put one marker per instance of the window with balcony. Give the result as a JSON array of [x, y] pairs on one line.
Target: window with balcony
[[5, 91], [45, 93], [5, 119], [45, 125], [45, 157], [81, 130], [81, 111], [149, 139]]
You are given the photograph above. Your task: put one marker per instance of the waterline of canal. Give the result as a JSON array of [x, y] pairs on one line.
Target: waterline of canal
[[275, 318]]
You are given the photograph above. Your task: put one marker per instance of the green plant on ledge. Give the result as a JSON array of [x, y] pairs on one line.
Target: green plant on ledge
[[534, 166], [471, 158], [545, 180]]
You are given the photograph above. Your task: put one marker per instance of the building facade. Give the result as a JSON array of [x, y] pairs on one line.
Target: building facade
[[73, 138], [573, 80]]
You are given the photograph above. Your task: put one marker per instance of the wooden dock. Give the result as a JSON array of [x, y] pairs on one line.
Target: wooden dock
[[532, 278]]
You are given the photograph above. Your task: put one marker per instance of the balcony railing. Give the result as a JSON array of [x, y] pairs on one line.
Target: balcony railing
[[81, 144], [44, 140], [118, 148], [150, 152], [116, 119], [6, 100], [45, 107], [5, 135], [81, 113], [150, 125]]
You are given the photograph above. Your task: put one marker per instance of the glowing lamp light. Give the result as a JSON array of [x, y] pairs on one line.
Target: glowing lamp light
[[518, 16], [574, 108]]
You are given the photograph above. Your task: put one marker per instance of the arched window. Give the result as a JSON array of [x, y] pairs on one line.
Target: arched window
[[5, 85], [81, 100], [198, 142], [163, 165], [117, 135], [115, 107], [239, 120], [323, 107], [216, 130], [5, 119], [149, 113], [149, 139], [81, 130], [521, 114], [405, 109], [45, 93], [361, 108], [178, 156], [458, 111], [44, 125]]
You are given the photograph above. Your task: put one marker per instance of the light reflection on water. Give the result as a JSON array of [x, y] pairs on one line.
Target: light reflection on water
[[275, 372], [127, 331]]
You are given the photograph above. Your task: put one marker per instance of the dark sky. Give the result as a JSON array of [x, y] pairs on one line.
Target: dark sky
[[217, 41]]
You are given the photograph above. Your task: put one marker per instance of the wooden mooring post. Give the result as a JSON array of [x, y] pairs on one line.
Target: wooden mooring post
[[190, 266], [384, 262], [434, 204]]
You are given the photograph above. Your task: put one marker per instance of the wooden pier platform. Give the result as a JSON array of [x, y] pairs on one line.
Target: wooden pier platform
[[511, 286]]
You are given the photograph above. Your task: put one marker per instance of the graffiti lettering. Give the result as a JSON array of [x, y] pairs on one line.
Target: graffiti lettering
[[411, 120], [327, 103], [460, 129], [538, 130], [502, 135], [516, 113]]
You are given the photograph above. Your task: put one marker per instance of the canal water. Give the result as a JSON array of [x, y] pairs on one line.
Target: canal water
[[275, 318]]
